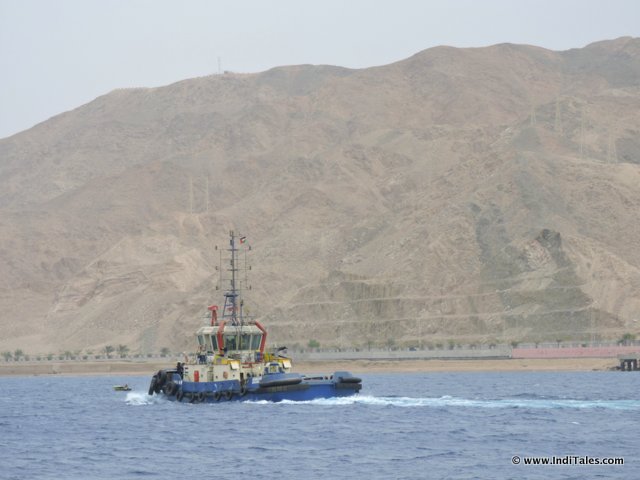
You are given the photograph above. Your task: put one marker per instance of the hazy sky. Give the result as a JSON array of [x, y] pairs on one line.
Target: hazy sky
[[57, 55]]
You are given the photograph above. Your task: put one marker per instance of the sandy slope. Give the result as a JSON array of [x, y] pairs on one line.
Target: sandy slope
[[482, 195]]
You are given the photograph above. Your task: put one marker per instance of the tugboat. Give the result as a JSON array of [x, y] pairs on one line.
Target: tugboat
[[231, 362]]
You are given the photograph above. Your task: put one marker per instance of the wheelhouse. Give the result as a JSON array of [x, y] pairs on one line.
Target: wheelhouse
[[228, 339]]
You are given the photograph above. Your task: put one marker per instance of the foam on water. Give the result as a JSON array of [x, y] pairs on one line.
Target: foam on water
[[519, 401], [140, 398], [448, 401]]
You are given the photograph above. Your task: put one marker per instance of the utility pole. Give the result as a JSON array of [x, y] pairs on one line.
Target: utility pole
[[533, 115], [582, 133], [558, 122], [207, 194], [612, 155], [190, 194]]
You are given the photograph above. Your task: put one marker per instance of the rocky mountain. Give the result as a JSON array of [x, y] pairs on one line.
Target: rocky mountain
[[466, 195]]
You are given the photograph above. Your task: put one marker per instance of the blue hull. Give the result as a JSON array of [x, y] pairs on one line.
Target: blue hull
[[231, 390]]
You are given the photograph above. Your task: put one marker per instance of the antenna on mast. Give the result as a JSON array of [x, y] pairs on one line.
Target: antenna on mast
[[233, 302]]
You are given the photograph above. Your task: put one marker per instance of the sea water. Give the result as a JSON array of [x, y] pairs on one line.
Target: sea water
[[404, 426]]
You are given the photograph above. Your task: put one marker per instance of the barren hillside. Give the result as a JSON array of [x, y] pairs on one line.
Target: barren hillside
[[485, 194]]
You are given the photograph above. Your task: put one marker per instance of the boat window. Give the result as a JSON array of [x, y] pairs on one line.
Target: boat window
[[255, 341], [274, 368], [230, 342], [245, 341], [214, 343], [200, 340]]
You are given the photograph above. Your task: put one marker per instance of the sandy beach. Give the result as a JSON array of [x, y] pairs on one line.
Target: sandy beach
[[118, 368]]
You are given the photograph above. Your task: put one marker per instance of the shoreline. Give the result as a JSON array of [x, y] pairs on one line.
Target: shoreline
[[126, 368]]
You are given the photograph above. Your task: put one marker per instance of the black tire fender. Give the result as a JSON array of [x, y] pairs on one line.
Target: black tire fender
[[152, 386], [159, 381], [170, 388], [349, 380]]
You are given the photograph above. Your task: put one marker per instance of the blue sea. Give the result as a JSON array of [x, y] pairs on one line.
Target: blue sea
[[401, 426]]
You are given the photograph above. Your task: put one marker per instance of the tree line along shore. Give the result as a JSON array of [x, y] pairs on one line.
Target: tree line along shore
[[133, 367]]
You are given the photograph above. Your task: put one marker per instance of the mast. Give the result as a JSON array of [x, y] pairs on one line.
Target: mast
[[233, 303], [231, 295], [233, 311]]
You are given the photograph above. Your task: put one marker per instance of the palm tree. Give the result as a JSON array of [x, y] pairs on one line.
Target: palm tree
[[627, 339], [123, 350], [18, 354], [7, 356], [108, 350], [165, 351]]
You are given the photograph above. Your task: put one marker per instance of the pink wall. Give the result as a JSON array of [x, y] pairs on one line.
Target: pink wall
[[575, 352]]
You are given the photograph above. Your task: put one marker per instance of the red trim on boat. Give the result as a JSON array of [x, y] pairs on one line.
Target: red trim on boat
[[220, 339], [264, 336]]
